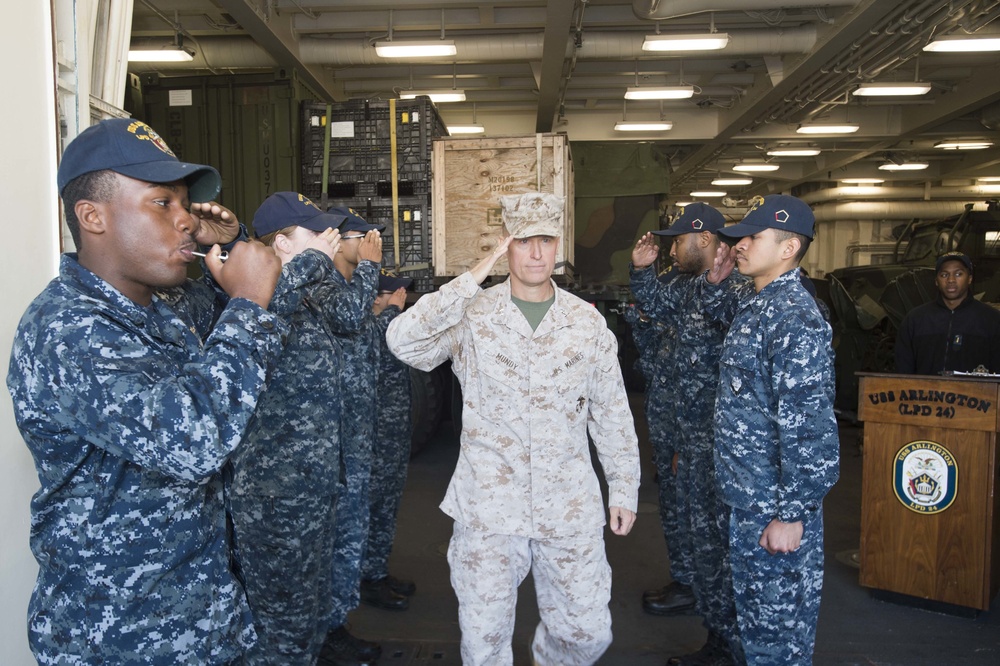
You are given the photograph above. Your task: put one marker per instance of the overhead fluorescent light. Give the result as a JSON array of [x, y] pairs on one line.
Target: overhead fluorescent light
[[721, 182], [642, 126], [905, 166], [171, 53], [712, 41], [963, 145], [988, 179], [793, 152], [820, 128], [902, 89], [960, 44], [707, 194], [662, 92], [756, 167], [439, 96], [467, 128], [862, 181], [416, 49]]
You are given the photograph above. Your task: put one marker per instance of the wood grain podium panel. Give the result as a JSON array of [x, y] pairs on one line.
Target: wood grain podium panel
[[940, 556], [943, 550], [929, 401]]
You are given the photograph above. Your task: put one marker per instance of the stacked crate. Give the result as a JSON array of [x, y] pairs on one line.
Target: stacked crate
[[358, 171]]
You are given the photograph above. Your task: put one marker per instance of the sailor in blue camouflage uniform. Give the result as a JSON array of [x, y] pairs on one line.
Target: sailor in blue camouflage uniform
[[283, 489], [693, 368], [654, 339], [777, 448], [357, 265], [390, 457], [131, 386]]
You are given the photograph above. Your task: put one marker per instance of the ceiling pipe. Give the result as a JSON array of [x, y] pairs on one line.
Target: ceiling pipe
[[244, 52], [958, 192], [660, 10], [890, 210]]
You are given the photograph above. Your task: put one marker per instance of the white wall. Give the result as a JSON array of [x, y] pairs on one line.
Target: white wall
[[29, 222]]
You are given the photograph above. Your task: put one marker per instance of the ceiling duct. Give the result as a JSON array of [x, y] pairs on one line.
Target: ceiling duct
[[890, 210], [244, 52], [661, 10]]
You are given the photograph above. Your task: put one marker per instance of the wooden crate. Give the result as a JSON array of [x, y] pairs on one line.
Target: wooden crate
[[469, 177]]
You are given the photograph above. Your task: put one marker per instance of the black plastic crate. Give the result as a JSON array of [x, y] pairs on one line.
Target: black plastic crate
[[360, 161], [414, 232]]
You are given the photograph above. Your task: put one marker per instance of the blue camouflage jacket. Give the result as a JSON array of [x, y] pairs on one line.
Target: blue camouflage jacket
[[130, 412], [292, 446], [393, 423], [777, 448], [361, 352], [693, 361]]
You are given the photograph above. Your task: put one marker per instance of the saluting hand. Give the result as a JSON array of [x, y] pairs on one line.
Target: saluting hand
[[481, 271], [217, 224], [370, 247], [722, 265], [645, 251]]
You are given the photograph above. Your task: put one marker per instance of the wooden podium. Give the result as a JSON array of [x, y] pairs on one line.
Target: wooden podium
[[930, 508]]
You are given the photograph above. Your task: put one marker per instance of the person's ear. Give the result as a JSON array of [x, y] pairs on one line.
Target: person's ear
[[791, 248], [282, 244], [90, 216]]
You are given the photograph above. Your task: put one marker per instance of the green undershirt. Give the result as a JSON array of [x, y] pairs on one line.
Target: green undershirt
[[532, 311]]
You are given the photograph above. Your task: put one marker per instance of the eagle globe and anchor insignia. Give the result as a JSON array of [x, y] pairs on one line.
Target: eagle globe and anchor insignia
[[925, 477]]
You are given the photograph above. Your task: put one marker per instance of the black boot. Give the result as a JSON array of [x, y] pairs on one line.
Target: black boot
[[676, 599], [342, 649], [379, 593], [715, 652]]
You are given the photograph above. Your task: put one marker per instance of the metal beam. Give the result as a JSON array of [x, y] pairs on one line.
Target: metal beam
[[558, 28], [832, 43], [274, 34]]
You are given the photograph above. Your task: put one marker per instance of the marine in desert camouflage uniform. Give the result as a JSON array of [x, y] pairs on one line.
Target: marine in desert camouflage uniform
[[539, 370]]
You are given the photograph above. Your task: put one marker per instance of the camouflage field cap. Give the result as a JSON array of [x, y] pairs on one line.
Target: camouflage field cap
[[532, 214]]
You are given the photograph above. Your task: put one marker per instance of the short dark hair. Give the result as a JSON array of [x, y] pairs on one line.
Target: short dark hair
[[804, 241], [100, 186]]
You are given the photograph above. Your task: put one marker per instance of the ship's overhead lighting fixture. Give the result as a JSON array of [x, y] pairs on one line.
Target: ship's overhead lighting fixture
[[661, 92], [862, 181], [466, 128], [406, 48], [828, 128], [710, 41], [723, 182], [168, 54], [903, 166], [707, 194], [755, 167], [988, 179], [963, 145], [643, 126], [901, 89], [962, 44], [437, 96], [793, 152]]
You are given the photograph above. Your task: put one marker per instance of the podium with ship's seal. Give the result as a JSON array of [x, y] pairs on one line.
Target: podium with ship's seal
[[929, 502]]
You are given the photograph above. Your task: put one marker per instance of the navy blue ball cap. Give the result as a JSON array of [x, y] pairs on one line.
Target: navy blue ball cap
[[390, 282], [775, 211], [695, 217], [291, 209], [354, 222], [954, 256], [132, 148]]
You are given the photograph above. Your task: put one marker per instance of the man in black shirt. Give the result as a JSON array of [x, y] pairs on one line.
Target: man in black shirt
[[954, 332]]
